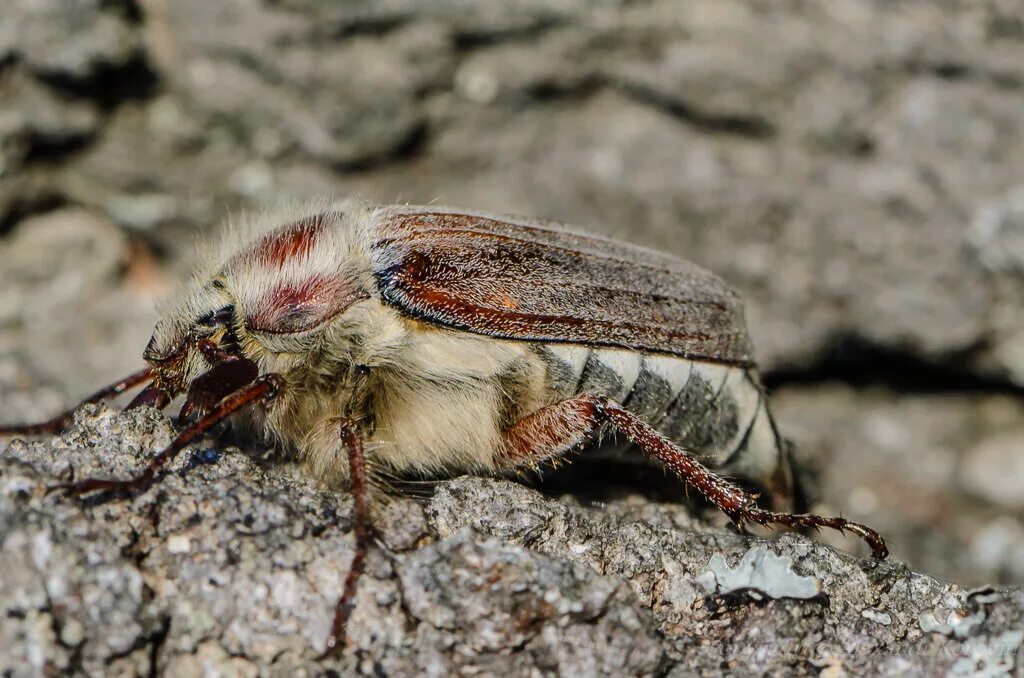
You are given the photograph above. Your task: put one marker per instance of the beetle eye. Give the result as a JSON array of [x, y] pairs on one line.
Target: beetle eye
[[221, 316]]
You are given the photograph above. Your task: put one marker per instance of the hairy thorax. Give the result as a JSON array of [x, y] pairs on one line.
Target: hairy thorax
[[427, 399]]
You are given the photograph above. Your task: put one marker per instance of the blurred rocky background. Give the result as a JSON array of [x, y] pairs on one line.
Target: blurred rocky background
[[855, 167]]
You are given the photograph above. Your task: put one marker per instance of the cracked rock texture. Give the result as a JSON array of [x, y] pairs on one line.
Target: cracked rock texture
[[232, 564], [855, 167]]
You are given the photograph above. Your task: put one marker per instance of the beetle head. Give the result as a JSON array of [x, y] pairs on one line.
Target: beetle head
[[195, 346], [277, 294]]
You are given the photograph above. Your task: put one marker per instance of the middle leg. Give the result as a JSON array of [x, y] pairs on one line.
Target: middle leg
[[360, 526]]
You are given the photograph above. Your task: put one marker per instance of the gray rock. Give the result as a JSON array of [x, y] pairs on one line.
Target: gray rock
[[857, 174], [232, 563], [53, 38], [58, 267], [993, 468]]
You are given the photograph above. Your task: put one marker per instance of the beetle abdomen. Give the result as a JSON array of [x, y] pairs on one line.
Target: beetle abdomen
[[717, 412]]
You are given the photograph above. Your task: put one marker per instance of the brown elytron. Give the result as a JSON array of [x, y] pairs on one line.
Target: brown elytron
[[526, 280], [429, 340]]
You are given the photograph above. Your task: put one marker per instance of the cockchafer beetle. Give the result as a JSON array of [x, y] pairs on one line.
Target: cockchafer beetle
[[433, 341]]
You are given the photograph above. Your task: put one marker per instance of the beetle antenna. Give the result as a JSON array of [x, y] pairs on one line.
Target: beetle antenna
[[61, 421]]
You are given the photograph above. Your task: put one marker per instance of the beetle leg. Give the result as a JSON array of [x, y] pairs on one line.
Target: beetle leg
[[208, 389], [557, 429], [153, 395], [265, 388], [61, 421], [361, 527]]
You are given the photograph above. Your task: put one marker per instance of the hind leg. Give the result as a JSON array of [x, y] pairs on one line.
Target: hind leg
[[552, 431]]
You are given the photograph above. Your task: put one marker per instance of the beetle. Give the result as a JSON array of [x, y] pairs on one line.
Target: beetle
[[435, 340]]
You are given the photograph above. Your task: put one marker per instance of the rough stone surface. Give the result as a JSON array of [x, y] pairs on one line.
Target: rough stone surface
[[232, 563], [855, 167]]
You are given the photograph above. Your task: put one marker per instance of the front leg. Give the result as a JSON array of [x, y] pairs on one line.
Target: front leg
[[263, 389], [350, 438], [554, 430]]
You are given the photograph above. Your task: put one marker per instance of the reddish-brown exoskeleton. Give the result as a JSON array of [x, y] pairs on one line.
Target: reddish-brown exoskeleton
[[461, 341]]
